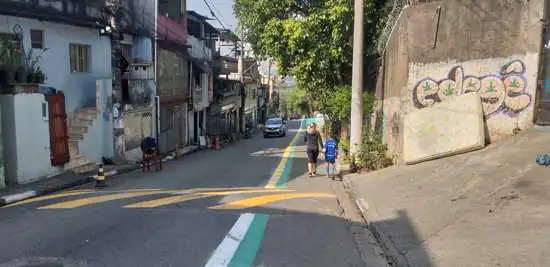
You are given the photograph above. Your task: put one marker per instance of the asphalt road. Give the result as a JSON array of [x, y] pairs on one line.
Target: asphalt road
[[249, 204]]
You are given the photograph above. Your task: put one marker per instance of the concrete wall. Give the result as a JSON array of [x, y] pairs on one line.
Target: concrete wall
[[137, 125], [79, 88], [172, 76], [98, 141], [26, 138], [490, 46]]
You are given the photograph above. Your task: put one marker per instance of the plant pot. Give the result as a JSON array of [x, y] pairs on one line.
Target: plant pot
[[21, 76], [30, 78], [40, 78], [5, 77]]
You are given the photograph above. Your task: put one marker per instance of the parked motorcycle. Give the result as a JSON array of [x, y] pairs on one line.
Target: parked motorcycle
[[247, 131]]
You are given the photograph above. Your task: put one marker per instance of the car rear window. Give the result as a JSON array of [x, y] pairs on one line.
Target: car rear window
[[273, 121]]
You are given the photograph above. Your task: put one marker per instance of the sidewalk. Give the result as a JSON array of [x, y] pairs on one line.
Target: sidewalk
[[485, 208], [66, 180]]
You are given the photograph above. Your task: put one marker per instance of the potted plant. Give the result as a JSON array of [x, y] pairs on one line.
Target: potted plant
[[39, 76], [21, 74]]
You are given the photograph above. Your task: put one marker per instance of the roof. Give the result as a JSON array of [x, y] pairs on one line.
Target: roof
[[228, 36], [208, 28], [197, 15]]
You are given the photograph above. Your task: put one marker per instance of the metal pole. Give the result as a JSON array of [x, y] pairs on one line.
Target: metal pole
[[269, 91], [241, 76], [356, 130], [156, 103]]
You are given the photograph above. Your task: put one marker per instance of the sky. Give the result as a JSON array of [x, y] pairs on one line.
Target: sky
[[223, 9]]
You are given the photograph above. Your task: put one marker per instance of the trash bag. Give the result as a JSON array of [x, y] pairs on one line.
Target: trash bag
[[543, 160]]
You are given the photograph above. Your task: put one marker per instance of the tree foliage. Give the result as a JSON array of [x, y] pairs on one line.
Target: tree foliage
[[310, 40], [297, 100], [338, 104]]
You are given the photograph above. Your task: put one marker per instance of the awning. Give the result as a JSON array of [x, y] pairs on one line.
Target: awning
[[228, 107], [201, 64]]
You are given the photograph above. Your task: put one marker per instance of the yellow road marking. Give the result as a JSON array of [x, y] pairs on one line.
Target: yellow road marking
[[284, 157], [262, 200], [101, 199], [165, 201], [182, 198], [199, 190], [60, 195], [226, 193]]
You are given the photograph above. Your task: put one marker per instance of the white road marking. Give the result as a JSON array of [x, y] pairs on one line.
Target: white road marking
[[224, 252]]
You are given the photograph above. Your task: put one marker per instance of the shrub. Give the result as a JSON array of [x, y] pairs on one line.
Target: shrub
[[372, 153]]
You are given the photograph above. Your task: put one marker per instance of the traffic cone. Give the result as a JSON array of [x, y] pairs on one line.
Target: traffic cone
[[100, 178], [178, 152]]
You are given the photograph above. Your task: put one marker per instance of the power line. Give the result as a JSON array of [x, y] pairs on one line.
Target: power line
[[217, 10], [214, 15]]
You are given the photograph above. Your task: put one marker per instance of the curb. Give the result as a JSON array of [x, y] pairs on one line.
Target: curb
[[393, 256], [10, 199]]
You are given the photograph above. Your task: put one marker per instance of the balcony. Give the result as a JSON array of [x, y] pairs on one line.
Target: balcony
[[171, 31], [86, 13], [198, 49]]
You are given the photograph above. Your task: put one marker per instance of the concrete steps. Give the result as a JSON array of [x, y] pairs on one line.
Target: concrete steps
[[77, 128]]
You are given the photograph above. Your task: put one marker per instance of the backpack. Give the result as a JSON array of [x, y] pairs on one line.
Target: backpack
[[543, 160]]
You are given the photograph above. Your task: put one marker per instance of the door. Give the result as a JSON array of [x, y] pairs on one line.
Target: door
[[542, 114], [59, 137]]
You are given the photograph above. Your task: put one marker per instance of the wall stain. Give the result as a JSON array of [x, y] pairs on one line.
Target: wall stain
[[501, 93]]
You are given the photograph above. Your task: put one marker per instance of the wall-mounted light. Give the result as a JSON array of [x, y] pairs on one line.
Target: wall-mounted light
[[107, 30]]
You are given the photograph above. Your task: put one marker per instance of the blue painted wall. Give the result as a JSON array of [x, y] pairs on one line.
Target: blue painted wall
[[79, 88]]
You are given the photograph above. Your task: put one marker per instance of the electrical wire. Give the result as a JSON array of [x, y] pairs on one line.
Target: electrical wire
[[214, 15]]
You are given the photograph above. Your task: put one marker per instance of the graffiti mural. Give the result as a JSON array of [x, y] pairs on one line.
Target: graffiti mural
[[504, 92]]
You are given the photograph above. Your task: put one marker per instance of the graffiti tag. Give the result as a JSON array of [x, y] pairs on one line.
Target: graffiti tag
[[500, 93]]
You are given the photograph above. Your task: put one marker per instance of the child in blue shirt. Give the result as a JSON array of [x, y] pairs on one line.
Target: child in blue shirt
[[330, 149]]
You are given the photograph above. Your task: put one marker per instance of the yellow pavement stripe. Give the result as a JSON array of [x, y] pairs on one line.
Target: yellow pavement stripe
[[262, 200], [101, 199], [226, 193], [182, 198], [203, 189], [284, 157], [165, 201], [59, 195]]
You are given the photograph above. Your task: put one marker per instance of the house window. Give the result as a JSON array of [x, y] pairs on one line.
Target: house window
[[79, 57], [37, 39], [126, 50]]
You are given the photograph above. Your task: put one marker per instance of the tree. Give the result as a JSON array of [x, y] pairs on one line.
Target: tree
[[297, 100], [310, 40]]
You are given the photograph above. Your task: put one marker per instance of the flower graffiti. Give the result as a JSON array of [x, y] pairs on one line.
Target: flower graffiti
[[504, 92]]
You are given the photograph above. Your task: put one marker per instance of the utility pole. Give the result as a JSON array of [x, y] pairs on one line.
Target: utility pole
[[269, 88], [112, 7], [356, 130], [241, 77]]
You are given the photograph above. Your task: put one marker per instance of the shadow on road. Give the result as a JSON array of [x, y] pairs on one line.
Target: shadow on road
[[401, 241], [185, 236], [312, 233]]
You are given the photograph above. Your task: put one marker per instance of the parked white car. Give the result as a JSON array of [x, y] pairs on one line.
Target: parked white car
[[275, 127]]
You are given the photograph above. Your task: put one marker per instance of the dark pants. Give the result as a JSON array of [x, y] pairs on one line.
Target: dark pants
[[312, 155]]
